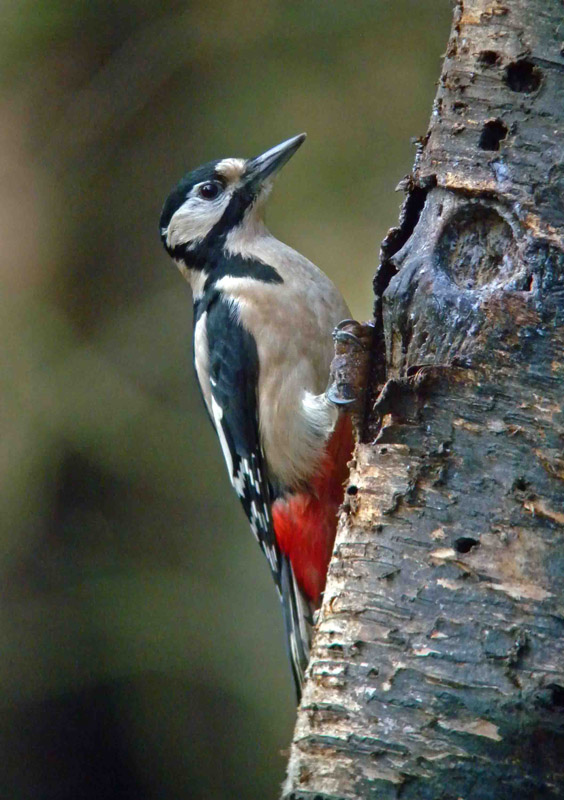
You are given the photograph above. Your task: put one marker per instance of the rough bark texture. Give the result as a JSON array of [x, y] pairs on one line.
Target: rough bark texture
[[438, 666]]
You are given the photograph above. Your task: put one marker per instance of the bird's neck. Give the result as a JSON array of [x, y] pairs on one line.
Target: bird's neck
[[234, 254], [244, 239]]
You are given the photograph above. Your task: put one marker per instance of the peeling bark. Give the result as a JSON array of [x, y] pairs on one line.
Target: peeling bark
[[438, 666]]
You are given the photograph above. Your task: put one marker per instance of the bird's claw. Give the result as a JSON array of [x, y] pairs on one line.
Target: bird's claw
[[340, 325], [336, 396], [345, 336]]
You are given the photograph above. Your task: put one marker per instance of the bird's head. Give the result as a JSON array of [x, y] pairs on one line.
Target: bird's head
[[216, 198]]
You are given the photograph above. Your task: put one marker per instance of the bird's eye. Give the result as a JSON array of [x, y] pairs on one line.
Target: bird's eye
[[209, 191]]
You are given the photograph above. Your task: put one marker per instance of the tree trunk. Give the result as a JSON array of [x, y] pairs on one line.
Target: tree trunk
[[438, 666]]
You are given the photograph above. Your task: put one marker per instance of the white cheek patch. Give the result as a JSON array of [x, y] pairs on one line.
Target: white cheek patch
[[195, 218], [217, 414], [193, 221]]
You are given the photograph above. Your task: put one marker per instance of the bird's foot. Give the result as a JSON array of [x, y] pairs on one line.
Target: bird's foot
[[348, 375]]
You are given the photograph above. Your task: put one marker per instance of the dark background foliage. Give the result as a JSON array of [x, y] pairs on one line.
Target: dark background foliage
[[140, 636]]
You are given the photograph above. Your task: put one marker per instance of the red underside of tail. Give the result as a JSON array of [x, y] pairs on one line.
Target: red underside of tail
[[305, 524]]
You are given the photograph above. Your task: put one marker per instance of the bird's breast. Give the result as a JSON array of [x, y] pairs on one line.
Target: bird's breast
[[292, 327]]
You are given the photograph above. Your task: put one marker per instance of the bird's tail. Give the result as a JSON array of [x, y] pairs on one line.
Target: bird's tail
[[298, 621]]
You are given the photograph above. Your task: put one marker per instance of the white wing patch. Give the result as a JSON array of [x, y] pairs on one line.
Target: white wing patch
[[201, 359], [217, 413]]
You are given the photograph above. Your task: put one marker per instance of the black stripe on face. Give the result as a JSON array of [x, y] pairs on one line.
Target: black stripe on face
[[242, 199]]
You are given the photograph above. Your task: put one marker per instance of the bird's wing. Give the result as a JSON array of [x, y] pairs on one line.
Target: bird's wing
[[233, 374]]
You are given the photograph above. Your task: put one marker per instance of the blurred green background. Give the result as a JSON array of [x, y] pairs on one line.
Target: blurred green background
[[141, 645]]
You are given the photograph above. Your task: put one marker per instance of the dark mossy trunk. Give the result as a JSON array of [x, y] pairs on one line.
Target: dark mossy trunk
[[438, 665]]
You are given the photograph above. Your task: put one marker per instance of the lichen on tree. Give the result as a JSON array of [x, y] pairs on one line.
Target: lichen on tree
[[438, 664]]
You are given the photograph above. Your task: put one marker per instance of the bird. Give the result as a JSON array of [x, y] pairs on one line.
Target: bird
[[262, 344]]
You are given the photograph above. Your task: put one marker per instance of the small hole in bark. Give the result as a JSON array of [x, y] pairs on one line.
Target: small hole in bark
[[520, 484], [383, 450], [493, 132], [523, 76], [557, 695], [488, 58], [459, 105], [528, 284], [352, 490], [465, 543]]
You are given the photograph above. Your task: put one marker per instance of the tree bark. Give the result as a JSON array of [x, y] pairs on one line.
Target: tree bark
[[437, 668]]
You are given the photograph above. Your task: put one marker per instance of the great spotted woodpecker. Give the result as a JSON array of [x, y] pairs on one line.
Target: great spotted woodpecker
[[263, 319]]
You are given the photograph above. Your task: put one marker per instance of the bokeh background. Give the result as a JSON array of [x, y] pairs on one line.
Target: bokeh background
[[141, 645]]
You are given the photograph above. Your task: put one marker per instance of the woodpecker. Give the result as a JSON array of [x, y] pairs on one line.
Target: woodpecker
[[263, 322]]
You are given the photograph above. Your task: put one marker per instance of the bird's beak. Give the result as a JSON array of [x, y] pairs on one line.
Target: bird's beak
[[267, 164]]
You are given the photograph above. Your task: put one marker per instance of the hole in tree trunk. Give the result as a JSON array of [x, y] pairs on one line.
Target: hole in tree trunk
[[465, 543], [488, 58], [523, 76], [493, 132], [520, 484], [557, 692]]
